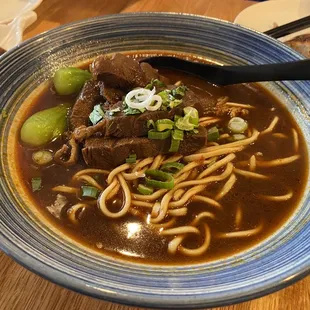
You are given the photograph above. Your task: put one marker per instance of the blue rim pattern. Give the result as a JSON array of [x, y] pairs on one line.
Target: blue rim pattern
[[273, 264]]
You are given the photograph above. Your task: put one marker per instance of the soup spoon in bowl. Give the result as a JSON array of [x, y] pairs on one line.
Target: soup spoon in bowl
[[228, 75]]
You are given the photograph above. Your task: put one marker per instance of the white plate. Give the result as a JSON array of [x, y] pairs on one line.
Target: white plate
[[266, 15], [12, 8]]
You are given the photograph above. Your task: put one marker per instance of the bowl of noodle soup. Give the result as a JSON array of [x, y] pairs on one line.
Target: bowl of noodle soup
[[222, 218]]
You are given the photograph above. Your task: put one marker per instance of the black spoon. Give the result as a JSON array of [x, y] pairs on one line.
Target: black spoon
[[227, 75]]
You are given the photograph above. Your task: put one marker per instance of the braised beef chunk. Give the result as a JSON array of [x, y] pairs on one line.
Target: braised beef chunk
[[109, 94], [149, 72], [118, 71], [121, 125], [89, 96], [123, 72], [108, 152], [205, 105]]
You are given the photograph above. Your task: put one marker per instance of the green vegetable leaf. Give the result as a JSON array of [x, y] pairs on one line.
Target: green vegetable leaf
[[179, 91], [96, 115], [175, 103], [155, 83], [131, 111], [165, 96]]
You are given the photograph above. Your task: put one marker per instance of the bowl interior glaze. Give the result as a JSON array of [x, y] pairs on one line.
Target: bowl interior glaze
[[32, 241]]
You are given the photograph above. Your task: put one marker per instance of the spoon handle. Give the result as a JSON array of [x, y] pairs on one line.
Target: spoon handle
[[297, 70], [227, 75]]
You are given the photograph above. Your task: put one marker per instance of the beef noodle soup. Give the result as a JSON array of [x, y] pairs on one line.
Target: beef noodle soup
[[160, 166]]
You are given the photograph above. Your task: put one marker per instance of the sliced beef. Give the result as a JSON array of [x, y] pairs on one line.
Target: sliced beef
[[149, 72], [122, 72], [107, 153], [109, 94], [89, 96], [121, 125], [118, 71]]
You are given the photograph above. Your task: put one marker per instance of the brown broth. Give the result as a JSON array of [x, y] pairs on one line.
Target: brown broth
[[129, 238]]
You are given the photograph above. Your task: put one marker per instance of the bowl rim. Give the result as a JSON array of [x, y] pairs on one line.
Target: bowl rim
[[70, 282]]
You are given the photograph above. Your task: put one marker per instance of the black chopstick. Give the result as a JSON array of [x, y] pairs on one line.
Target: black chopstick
[[289, 28]]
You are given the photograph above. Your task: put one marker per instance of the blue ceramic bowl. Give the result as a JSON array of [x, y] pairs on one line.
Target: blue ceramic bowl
[[275, 263]]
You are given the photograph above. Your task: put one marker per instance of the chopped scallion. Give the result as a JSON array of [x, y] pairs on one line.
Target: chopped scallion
[[177, 134], [155, 83], [164, 124], [237, 125], [164, 96], [176, 117], [96, 115], [173, 167], [36, 184], [213, 134], [90, 191], [179, 91], [153, 134], [174, 146], [42, 157], [131, 159], [144, 190], [192, 114], [150, 124], [159, 179], [184, 123]]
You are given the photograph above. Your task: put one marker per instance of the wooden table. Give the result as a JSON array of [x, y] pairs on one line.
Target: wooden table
[[22, 290]]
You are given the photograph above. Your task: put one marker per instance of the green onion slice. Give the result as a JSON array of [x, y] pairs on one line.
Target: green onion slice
[[164, 124], [177, 134], [237, 125], [192, 114], [213, 134], [173, 167], [42, 157], [174, 146], [96, 115], [90, 191], [150, 124], [36, 184], [131, 159], [155, 83], [159, 179], [184, 123], [176, 117], [156, 135], [144, 190]]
